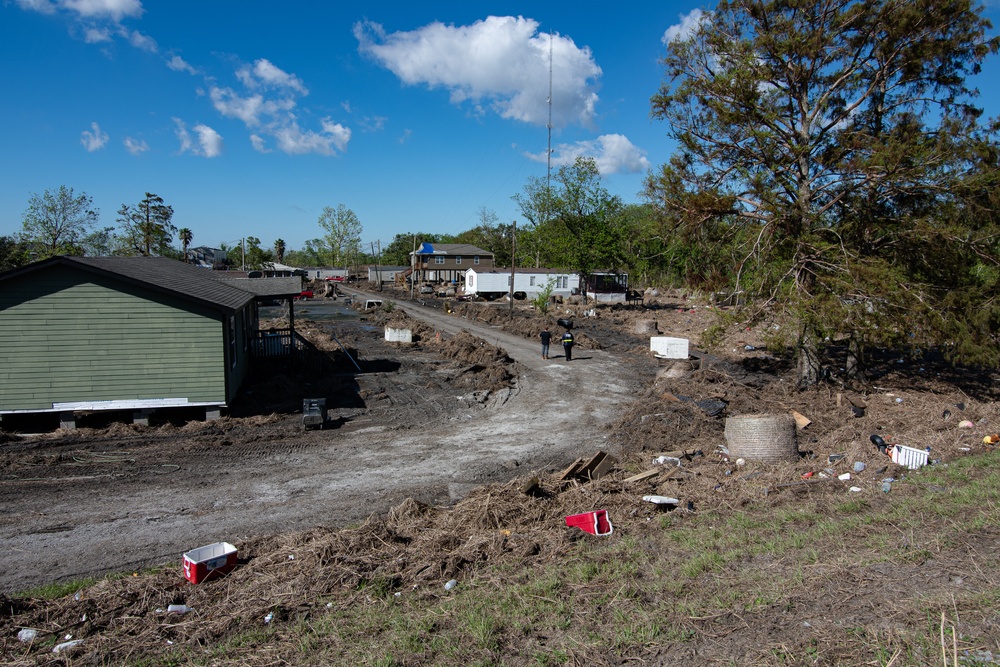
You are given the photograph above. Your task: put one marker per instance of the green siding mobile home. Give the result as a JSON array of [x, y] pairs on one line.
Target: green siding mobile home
[[80, 334]]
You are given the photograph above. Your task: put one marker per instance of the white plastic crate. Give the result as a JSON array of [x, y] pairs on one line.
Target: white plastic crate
[[909, 457]]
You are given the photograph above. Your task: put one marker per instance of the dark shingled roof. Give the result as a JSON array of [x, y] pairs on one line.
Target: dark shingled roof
[[157, 273]]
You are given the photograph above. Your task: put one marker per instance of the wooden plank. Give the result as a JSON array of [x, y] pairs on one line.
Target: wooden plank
[[571, 471], [598, 466], [642, 475]]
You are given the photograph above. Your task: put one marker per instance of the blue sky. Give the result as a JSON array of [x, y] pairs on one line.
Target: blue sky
[[249, 117]]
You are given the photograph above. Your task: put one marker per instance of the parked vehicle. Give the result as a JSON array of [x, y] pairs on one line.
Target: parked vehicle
[[306, 294]]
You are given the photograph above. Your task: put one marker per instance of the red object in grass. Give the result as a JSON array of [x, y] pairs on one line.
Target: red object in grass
[[595, 523]]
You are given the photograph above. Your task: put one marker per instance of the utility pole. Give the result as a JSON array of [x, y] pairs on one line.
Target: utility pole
[[513, 261]]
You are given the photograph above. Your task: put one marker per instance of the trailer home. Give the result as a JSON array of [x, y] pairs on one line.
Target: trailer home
[[528, 283]]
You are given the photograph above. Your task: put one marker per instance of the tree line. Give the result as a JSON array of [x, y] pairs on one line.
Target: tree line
[[831, 171]]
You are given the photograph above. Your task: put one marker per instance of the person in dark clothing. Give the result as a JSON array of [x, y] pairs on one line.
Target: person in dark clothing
[[567, 343], [546, 337]]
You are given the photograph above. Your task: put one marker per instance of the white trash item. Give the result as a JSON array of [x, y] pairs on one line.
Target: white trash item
[[661, 500], [909, 457], [27, 635], [65, 646]]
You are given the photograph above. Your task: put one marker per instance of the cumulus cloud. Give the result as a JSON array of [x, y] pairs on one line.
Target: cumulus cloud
[[135, 146], [500, 63], [263, 73], [94, 139], [613, 154], [268, 105], [114, 10], [689, 23], [295, 141], [209, 142]]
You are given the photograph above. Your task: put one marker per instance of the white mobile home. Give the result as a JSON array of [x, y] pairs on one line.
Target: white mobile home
[[495, 283]]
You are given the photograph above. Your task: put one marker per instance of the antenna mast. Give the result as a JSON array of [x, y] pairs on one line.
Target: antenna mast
[[548, 153]]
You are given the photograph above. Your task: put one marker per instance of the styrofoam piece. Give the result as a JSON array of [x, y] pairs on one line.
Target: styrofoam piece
[[398, 335], [910, 457], [666, 347], [661, 500]]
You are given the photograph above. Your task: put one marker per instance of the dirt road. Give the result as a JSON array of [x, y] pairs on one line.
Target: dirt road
[[89, 502]]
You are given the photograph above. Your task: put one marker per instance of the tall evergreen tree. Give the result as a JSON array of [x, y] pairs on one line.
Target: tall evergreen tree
[[824, 140]]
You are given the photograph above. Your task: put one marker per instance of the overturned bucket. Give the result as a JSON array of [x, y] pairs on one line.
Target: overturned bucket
[[595, 523], [769, 438]]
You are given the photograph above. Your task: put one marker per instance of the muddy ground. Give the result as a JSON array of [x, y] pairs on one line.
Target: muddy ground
[[469, 403]]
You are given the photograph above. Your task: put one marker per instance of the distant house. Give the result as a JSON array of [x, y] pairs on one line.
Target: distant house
[[80, 334], [447, 262], [322, 273], [385, 274], [206, 258], [528, 283]]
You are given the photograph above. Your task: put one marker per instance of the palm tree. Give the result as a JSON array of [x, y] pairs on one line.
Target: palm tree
[[185, 236], [279, 251]]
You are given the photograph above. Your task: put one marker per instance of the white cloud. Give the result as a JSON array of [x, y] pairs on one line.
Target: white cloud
[[259, 144], [95, 139], [254, 111], [689, 23], [268, 108], [40, 6], [373, 123], [294, 141], [209, 141], [139, 40], [135, 146], [263, 73], [501, 61], [178, 64], [613, 154], [115, 10], [93, 35]]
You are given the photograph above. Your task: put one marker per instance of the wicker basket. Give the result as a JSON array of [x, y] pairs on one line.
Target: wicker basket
[[768, 438]]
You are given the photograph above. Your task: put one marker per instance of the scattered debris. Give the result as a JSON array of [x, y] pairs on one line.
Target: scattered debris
[[641, 476], [596, 467], [801, 421]]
